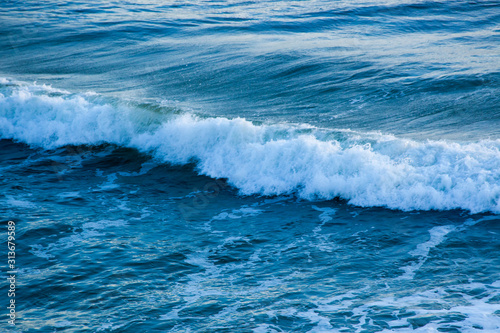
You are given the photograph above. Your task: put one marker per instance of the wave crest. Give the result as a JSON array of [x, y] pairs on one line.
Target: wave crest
[[315, 164]]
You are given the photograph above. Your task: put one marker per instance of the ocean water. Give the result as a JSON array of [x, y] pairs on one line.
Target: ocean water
[[251, 166]]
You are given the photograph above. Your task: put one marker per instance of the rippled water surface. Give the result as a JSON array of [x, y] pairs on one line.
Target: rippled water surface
[[241, 166]]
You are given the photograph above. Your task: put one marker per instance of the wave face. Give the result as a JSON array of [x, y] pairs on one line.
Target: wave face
[[367, 169]]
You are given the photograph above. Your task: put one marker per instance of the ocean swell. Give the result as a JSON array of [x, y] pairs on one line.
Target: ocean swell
[[370, 169]]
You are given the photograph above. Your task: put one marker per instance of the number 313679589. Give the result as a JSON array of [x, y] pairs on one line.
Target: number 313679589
[[11, 245]]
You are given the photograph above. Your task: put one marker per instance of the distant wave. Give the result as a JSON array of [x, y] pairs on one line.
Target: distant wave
[[370, 169]]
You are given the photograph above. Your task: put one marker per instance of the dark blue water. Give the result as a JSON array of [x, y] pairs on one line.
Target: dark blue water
[[240, 166]]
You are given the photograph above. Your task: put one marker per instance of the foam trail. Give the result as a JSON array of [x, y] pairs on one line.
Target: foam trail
[[437, 236], [316, 164]]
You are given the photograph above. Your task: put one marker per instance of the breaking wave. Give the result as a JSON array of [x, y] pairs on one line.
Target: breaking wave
[[367, 169]]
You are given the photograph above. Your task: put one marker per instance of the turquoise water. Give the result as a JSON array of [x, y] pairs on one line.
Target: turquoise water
[[239, 166]]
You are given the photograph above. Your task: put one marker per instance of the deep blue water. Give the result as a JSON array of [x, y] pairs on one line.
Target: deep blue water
[[241, 166]]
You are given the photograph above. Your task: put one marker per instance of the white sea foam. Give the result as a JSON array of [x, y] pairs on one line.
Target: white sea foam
[[437, 236], [321, 241], [15, 202], [367, 170], [475, 314], [89, 230], [265, 328], [238, 213]]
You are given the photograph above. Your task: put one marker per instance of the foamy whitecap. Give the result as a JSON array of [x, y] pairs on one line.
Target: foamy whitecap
[[367, 170]]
